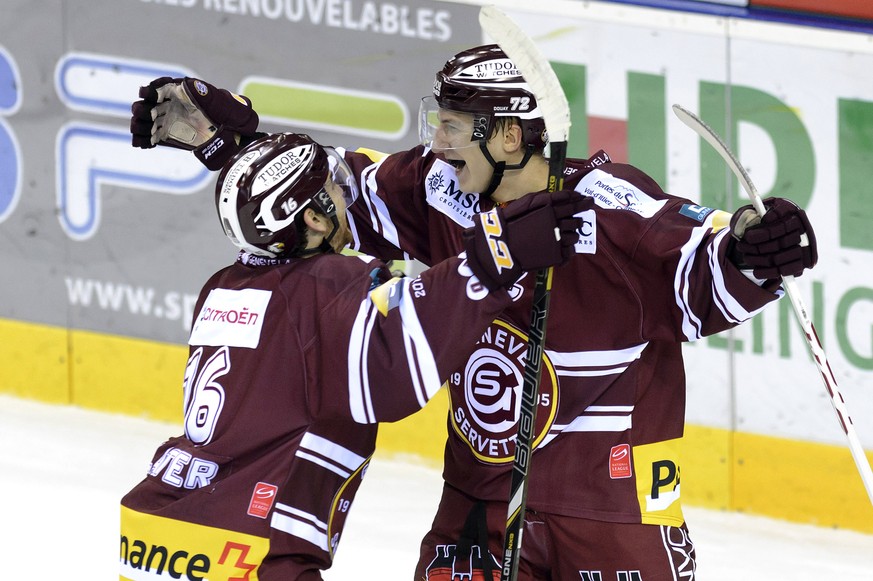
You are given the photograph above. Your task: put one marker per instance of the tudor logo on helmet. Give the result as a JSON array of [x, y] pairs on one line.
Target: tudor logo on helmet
[[286, 166], [484, 71]]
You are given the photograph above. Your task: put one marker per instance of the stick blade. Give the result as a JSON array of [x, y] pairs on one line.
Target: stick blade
[[706, 132], [534, 67]]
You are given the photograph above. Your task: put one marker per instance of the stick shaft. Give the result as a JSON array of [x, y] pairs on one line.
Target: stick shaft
[[541, 78]]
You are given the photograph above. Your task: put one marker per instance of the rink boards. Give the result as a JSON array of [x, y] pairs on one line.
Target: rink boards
[[799, 481]]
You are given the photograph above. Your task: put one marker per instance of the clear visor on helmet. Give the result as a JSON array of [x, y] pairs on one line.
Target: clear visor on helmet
[[341, 175], [443, 129]]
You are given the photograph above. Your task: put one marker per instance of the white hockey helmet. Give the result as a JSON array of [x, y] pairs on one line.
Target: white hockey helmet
[[262, 191]]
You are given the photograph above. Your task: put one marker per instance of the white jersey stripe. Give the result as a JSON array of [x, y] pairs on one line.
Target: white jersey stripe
[[731, 309], [419, 353], [594, 363], [419, 356], [609, 408], [591, 372], [414, 370], [691, 324], [301, 514], [379, 214], [599, 424], [595, 358], [599, 418], [353, 227], [364, 369], [339, 454], [356, 388], [323, 463], [308, 531], [360, 399]]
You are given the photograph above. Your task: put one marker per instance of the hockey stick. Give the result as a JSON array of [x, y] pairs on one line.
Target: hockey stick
[[556, 112], [790, 286]]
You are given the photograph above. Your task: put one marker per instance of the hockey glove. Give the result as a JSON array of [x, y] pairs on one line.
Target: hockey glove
[[782, 243], [534, 232], [191, 114]]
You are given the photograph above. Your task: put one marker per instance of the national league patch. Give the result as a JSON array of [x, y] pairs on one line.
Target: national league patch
[[619, 462], [262, 499]]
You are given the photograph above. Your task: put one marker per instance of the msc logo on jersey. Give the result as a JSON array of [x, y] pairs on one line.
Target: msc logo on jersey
[[444, 196], [486, 395]]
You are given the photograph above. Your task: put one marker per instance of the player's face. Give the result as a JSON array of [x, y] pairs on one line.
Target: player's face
[[453, 140], [454, 130], [343, 236], [441, 129]]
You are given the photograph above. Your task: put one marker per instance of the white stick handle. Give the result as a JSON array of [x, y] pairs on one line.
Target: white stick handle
[[793, 292]]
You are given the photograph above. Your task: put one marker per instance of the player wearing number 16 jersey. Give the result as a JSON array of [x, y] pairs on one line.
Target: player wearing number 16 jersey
[[295, 353]]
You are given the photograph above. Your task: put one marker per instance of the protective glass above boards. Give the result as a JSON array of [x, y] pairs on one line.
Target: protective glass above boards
[[850, 15]]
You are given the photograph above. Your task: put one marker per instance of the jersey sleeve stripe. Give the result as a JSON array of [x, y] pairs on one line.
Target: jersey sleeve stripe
[[732, 310], [380, 217], [600, 419], [353, 227], [360, 399], [422, 364], [339, 454], [323, 463], [420, 359], [300, 524], [691, 324], [594, 363]]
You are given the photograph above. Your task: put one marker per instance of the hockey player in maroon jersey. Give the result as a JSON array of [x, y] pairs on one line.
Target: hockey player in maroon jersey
[[651, 271], [296, 352]]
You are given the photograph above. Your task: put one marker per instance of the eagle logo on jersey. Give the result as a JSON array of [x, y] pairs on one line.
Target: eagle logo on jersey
[[485, 397]]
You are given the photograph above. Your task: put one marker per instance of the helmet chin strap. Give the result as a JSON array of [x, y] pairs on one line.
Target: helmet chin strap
[[500, 166], [324, 247]]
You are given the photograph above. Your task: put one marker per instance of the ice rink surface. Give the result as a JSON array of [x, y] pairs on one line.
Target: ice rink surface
[[63, 470]]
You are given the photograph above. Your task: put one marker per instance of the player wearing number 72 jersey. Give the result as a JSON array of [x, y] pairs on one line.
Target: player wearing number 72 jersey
[[295, 353]]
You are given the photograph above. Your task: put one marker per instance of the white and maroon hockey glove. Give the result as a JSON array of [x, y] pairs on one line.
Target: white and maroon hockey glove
[[782, 243], [193, 115], [534, 232]]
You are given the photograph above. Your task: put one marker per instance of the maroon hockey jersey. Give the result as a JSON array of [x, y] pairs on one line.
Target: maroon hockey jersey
[[291, 365], [649, 273]]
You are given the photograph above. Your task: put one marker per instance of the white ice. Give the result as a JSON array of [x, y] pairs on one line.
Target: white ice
[[63, 470]]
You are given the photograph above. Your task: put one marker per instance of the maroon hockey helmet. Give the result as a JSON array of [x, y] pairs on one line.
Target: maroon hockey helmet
[[485, 82], [262, 191]]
